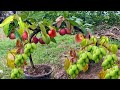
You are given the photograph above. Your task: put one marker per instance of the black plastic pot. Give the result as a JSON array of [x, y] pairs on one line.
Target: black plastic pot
[[44, 76]]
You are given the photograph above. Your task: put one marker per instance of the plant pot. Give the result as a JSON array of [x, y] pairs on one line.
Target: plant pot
[[42, 71]]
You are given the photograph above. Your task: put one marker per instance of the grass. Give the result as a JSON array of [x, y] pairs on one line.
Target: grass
[[50, 53]]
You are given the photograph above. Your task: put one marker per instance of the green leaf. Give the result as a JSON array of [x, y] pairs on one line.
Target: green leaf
[[7, 20], [43, 29], [65, 14], [72, 22], [21, 26], [10, 29], [53, 40], [17, 35], [6, 29]]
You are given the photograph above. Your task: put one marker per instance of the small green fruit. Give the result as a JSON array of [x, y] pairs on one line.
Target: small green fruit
[[12, 75], [24, 56], [107, 76], [20, 57], [79, 67], [29, 46], [33, 45], [26, 50], [74, 67], [70, 72], [84, 56], [76, 72], [89, 55], [97, 52], [89, 48], [73, 76], [87, 60], [103, 51], [115, 58], [95, 56]]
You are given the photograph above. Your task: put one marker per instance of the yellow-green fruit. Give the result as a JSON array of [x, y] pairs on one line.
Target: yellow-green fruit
[[80, 52], [28, 54], [89, 48], [94, 48], [97, 61], [26, 50], [113, 73], [89, 55], [16, 61], [114, 57], [34, 46], [84, 42], [94, 40], [18, 75], [104, 63], [95, 56], [73, 76], [105, 67], [74, 67], [80, 61], [31, 50], [111, 62], [20, 57], [83, 64], [12, 75], [79, 67], [76, 72], [102, 41], [100, 56], [97, 52], [22, 61], [15, 71], [108, 66], [87, 60], [109, 57], [103, 51], [28, 46], [119, 72], [70, 72], [84, 55], [107, 76], [24, 56]]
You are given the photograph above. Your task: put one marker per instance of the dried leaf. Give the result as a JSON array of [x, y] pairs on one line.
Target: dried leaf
[[102, 74], [66, 64], [85, 68]]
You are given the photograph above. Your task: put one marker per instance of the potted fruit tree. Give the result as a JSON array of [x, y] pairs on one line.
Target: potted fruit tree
[[25, 34]]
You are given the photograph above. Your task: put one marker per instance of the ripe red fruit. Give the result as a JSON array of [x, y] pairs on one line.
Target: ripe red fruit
[[25, 35], [35, 39], [62, 31], [41, 41], [12, 36], [52, 33], [68, 31]]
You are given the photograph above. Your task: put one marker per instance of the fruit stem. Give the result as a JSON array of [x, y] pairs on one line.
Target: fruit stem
[[31, 62], [37, 30]]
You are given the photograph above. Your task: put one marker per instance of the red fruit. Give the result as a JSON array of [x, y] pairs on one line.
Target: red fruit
[[35, 39], [52, 33], [62, 31], [12, 36], [68, 31], [41, 41], [25, 35], [79, 37]]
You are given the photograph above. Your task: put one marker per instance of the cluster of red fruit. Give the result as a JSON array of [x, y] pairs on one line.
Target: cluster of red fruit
[[24, 36], [51, 33], [64, 31]]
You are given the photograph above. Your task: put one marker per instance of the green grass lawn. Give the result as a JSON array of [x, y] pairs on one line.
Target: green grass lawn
[[43, 54]]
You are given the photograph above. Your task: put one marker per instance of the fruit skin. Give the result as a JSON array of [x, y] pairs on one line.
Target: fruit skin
[[68, 31], [35, 39], [12, 36], [41, 41], [52, 33], [29, 46], [74, 67], [25, 35], [33, 45], [62, 31], [84, 55], [24, 56], [114, 57], [70, 72], [103, 51], [76, 72], [79, 67]]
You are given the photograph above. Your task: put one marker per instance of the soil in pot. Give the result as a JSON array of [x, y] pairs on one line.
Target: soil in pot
[[40, 72]]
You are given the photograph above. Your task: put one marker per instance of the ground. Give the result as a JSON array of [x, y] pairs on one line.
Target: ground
[[52, 54]]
